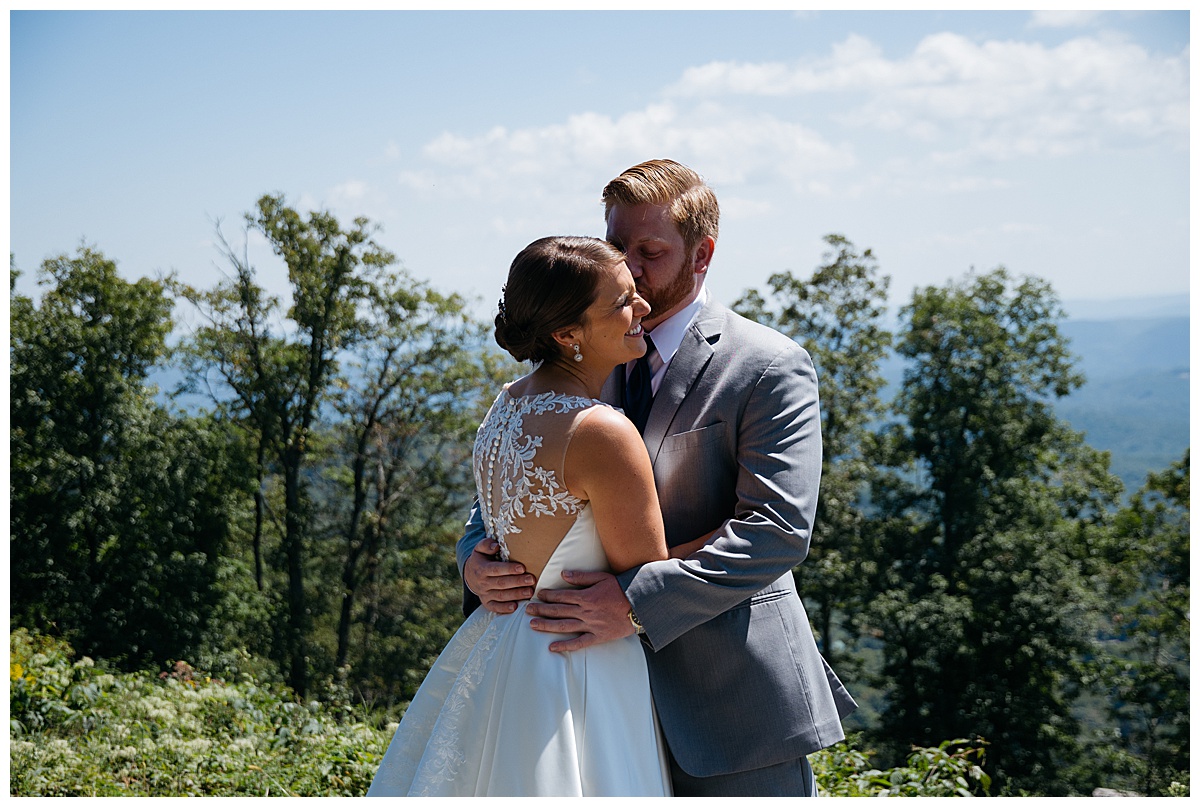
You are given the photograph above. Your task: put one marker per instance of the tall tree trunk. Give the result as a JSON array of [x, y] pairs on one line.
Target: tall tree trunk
[[343, 645], [297, 627], [373, 548], [370, 616], [354, 546], [260, 508]]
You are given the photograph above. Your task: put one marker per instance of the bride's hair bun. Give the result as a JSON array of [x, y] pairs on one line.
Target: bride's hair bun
[[551, 284], [518, 342]]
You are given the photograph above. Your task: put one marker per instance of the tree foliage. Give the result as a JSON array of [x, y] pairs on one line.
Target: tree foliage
[[279, 380], [398, 479], [1148, 588], [358, 403], [302, 532], [967, 528], [837, 315], [990, 530], [118, 507]]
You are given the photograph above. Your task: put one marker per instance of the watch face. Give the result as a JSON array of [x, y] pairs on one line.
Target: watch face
[[637, 624]]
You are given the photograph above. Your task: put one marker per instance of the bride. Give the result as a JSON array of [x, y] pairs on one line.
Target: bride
[[563, 482]]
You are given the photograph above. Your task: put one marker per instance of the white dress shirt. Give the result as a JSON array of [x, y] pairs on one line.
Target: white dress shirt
[[667, 337]]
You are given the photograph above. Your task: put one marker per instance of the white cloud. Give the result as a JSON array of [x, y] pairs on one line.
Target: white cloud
[[856, 63], [346, 200], [965, 184], [978, 236], [739, 207], [347, 192], [1063, 19], [540, 163], [849, 132], [994, 99], [1021, 228]]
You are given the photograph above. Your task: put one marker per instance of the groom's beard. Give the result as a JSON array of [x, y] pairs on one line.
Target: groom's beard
[[678, 288]]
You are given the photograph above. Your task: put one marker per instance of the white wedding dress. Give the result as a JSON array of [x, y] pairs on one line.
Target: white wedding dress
[[499, 714]]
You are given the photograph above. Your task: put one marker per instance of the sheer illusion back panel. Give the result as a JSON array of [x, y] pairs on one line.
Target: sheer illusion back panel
[[520, 454], [499, 714]]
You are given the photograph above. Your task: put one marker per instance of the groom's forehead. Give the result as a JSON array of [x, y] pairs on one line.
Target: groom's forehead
[[642, 222]]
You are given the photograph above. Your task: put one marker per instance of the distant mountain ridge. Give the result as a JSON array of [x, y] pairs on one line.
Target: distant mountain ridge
[[1108, 348], [1135, 356], [1135, 402], [1155, 307], [1136, 399]]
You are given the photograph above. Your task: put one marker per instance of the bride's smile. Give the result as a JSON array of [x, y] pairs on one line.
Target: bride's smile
[[611, 332]]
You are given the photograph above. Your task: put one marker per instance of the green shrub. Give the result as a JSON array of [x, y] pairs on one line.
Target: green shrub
[[951, 769], [79, 731]]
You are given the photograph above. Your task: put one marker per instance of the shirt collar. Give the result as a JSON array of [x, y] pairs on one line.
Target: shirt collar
[[668, 334]]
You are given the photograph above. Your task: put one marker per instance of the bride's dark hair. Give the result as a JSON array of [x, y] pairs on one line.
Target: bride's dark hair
[[551, 284]]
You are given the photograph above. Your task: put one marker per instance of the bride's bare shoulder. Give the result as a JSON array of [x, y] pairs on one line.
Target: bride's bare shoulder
[[603, 430]]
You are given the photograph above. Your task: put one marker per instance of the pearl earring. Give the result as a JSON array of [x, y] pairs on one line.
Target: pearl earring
[[578, 355]]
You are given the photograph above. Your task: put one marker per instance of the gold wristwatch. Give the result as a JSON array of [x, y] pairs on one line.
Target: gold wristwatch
[[637, 625]]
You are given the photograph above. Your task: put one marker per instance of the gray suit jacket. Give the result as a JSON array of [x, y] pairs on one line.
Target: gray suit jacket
[[734, 437]]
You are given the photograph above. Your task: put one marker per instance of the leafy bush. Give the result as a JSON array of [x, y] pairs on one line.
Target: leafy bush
[[77, 729], [951, 769]]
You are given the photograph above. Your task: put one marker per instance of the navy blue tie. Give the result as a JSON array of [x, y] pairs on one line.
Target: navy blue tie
[[638, 392]]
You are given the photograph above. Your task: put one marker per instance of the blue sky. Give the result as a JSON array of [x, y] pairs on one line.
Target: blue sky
[[1053, 144]]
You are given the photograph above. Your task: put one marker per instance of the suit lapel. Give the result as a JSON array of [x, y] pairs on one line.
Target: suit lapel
[[693, 355]]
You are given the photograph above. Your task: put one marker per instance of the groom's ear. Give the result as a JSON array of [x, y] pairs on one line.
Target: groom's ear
[[702, 254]]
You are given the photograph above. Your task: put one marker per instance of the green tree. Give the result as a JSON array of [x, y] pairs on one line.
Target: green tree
[[836, 314], [278, 381], [992, 520], [399, 471], [1148, 584], [118, 508]]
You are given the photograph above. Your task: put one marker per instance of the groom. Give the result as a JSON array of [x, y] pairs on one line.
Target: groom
[[733, 431]]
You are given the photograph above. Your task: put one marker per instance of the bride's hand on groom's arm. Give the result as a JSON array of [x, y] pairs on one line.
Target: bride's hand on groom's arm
[[497, 584], [599, 612]]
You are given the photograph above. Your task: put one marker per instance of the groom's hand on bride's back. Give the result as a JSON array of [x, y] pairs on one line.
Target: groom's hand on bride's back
[[598, 612], [497, 584]]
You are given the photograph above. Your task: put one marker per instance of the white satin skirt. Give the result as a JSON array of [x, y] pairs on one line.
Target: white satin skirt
[[499, 714]]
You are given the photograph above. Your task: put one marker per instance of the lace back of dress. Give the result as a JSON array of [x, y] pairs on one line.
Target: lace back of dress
[[518, 461]]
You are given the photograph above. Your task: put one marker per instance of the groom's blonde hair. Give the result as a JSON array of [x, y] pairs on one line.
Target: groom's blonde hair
[[691, 203]]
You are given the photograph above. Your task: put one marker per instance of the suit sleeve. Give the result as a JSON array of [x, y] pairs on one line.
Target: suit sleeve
[[778, 472], [474, 533]]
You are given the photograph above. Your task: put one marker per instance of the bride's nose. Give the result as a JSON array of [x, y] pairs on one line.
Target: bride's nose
[[641, 308]]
